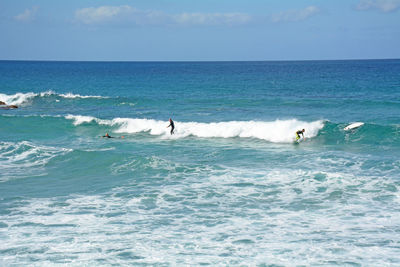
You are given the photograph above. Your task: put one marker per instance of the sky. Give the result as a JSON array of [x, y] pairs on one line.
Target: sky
[[199, 30]]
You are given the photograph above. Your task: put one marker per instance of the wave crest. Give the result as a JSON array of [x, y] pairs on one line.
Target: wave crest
[[20, 98], [16, 99], [278, 131], [79, 119]]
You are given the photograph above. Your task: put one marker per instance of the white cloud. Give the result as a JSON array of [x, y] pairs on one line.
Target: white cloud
[[212, 18], [133, 16], [27, 15], [295, 15], [382, 5], [95, 15]]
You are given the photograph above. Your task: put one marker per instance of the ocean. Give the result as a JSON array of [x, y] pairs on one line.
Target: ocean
[[228, 188]]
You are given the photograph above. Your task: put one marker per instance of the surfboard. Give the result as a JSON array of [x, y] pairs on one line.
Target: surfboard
[[353, 126]]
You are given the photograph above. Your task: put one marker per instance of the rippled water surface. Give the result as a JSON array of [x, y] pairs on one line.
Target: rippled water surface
[[230, 187]]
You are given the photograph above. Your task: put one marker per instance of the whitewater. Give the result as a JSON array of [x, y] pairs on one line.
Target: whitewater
[[228, 188], [275, 131]]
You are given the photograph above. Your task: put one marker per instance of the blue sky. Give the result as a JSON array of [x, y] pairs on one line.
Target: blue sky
[[147, 30]]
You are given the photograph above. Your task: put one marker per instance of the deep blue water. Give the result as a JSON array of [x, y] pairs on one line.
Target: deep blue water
[[230, 187]]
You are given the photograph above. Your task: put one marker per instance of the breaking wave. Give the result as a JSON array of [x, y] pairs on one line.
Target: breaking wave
[[278, 131], [21, 98]]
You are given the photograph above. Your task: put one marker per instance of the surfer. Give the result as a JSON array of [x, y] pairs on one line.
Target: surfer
[[298, 133], [171, 123], [107, 136]]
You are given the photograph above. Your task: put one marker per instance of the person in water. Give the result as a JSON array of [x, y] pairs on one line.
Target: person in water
[[298, 133], [171, 123], [107, 136]]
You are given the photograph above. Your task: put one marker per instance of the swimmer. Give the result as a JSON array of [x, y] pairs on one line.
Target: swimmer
[[107, 136]]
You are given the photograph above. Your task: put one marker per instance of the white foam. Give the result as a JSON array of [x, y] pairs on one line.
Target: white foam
[[78, 119], [20, 159], [70, 95], [47, 93], [16, 99], [129, 104], [208, 218], [20, 98], [278, 131]]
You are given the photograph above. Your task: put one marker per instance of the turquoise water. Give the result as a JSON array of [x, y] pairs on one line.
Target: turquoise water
[[228, 188]]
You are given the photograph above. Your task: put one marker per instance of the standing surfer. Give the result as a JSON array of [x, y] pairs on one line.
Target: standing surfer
[[171, 123], [298, 133]]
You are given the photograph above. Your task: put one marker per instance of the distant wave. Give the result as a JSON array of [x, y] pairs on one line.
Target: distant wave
[[278, 131], [78, 119], [17, 99], [20, 98], [70, 95]]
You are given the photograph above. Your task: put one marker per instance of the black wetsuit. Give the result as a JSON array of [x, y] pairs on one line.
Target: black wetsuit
[[172, 126], [298, 134]]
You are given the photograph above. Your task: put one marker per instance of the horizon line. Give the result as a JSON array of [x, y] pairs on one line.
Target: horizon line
[[199, 61]]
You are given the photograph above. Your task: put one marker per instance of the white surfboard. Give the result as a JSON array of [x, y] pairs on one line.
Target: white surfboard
[[298, 141], [353, 126]]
